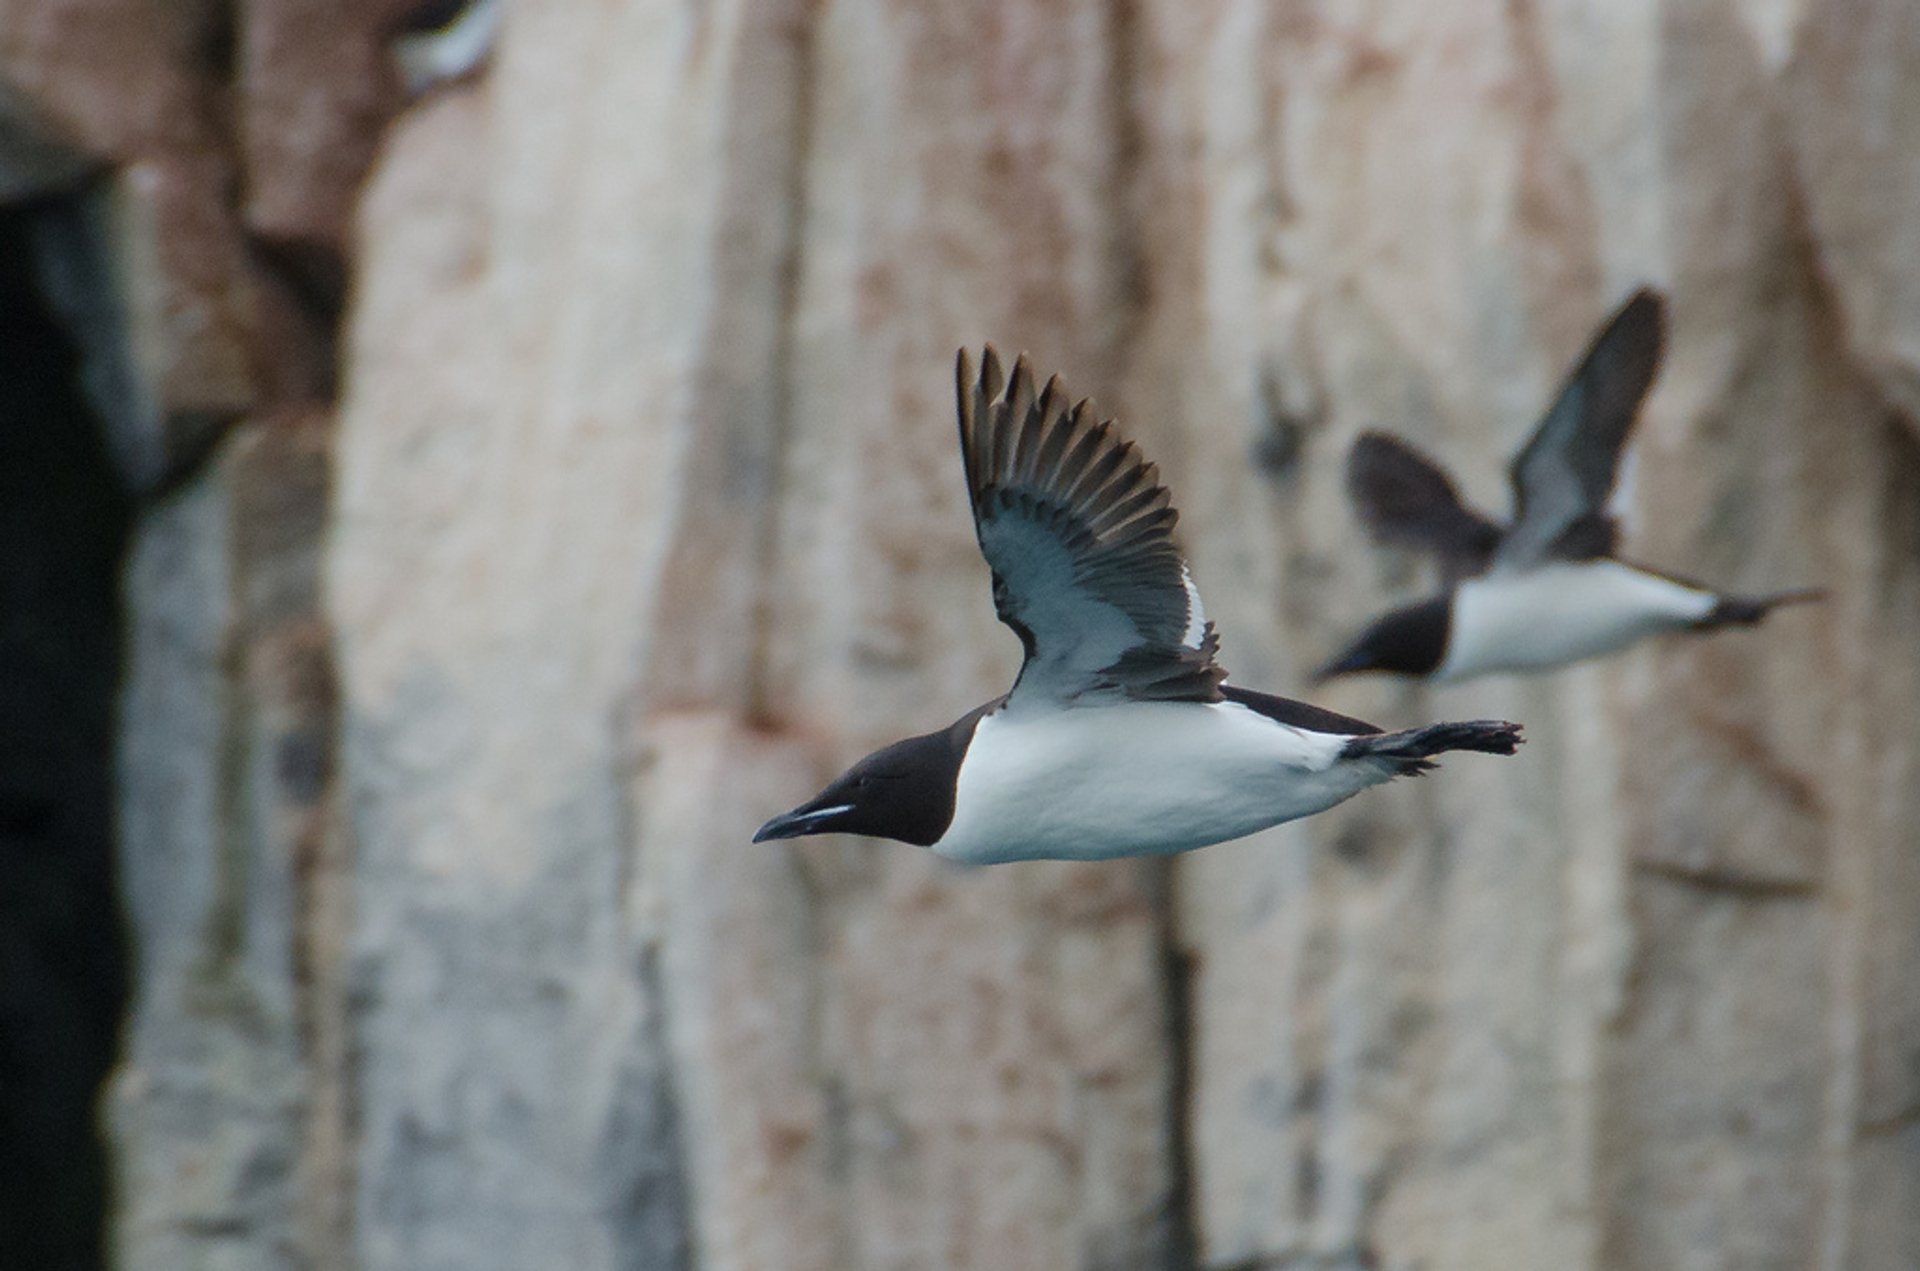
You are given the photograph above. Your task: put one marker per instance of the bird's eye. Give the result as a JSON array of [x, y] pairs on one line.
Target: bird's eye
[[862, 782]]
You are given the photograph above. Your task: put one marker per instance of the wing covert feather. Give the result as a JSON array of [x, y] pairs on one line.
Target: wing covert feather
[[1078, 532]]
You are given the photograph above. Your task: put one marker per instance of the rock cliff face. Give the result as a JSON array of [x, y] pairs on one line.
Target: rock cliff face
[[536, 482]]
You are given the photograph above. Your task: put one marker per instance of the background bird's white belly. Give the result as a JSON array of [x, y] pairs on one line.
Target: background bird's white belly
[[1135, 778], [1545, 617]]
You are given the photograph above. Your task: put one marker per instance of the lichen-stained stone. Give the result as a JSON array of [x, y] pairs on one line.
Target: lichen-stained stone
[[741, 987], [1395, 960], [484, 793], [597, 487], [36, 158], [120, 78], [134, 88], [1850, 107], [1590, 1007], [225, 148], [179, 267], [226, 752], [645, 517], [1759, 766], [316, 88], [997, 1031]]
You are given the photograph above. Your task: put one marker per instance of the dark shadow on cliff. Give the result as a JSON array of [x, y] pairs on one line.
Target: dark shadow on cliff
[[64, 522]]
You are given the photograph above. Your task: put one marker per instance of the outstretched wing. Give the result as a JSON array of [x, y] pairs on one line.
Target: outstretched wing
[[1404, 497], [1078, 532], [1563, 476]]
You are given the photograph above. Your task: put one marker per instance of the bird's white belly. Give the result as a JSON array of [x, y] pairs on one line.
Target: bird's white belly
[[1546, 617], [1139, 778]]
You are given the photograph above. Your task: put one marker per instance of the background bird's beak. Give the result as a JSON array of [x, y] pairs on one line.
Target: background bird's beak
[[1346, 664], [805, 819]]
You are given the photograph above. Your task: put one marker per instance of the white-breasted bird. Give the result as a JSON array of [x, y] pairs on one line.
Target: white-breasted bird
[[1119, 737], [1546, 590]]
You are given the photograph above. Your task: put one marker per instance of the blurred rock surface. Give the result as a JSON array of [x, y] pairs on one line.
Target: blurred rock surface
[[460, 676]]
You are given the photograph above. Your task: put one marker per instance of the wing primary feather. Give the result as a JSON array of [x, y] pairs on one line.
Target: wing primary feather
[[1119, 473], [967, 394], [1046, 464], [1044, 427], [1033, 430], [992, 378], [1076, 530], [1000, 432], [1565, 471], [1159, 521], [1403, 496], [1084, 449], [1019, 395], [1141, 490], [987, 393], [1097, 474]]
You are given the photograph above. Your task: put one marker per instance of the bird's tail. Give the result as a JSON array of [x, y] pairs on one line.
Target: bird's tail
[[1409, 751], [1744, 611]]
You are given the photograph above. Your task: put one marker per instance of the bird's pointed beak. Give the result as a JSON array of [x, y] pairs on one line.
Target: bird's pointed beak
[[805, 819], [1348, 663]]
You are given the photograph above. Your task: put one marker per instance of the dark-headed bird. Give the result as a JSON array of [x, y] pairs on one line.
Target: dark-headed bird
[[1546, 590], [1119, 736]]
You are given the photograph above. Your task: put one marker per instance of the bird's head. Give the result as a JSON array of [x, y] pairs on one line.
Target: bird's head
[[903, 791], [1409, 641]]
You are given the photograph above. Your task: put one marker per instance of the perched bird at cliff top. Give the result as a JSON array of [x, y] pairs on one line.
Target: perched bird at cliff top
[[1119, 736], [1546, 590]]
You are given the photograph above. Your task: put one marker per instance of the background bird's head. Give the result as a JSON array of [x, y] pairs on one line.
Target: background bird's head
[[1407, 641]]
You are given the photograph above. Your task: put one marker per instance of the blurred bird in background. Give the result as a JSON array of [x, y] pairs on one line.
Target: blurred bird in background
[[1548, 589]]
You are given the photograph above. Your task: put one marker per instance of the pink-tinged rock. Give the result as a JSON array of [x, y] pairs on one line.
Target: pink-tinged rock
[[1850, 105], [188, 294], [316, 89], [647, 518]]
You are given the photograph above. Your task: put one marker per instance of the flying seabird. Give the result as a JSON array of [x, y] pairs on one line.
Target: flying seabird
[[1546, 590], [1119, 736]]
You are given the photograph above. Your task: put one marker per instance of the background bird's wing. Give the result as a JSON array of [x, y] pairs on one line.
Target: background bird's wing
[[1562, 477], [1406, 498], [1078, 533]]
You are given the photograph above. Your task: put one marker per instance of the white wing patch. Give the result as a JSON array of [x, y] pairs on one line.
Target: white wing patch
[[1622, 502], [1196, 612]]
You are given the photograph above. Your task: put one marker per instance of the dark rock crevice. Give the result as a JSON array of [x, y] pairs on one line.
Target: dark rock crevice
[[64, 524], [1178, 1236]]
